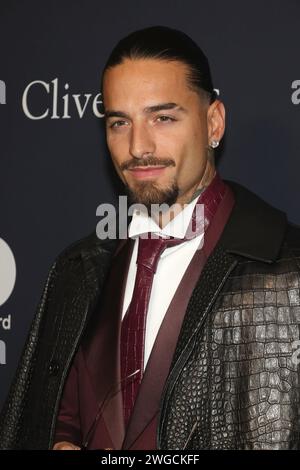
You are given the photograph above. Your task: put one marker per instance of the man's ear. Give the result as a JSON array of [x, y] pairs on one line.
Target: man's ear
[[216, 121]]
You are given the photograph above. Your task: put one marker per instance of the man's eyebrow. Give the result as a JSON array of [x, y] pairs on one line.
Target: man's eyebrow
[[162, 106], [149, 109]]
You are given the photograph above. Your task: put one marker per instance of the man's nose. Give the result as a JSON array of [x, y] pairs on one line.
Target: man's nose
[[141, 141]]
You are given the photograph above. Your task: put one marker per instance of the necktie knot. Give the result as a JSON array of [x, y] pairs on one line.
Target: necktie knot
[[150, 250]]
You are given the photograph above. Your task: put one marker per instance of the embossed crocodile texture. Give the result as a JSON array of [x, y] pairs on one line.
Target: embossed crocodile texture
[[238, 387]]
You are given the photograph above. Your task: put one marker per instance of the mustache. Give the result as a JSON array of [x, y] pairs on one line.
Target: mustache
[[149, 161]]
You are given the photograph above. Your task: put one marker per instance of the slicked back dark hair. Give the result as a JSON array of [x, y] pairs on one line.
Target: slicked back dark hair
[[164, 43]]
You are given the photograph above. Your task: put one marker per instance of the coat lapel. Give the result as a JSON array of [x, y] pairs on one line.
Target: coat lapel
[[203, 297], [101, 347]]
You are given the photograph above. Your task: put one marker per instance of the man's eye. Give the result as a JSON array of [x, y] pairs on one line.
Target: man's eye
[[117, 124], [165, 118]]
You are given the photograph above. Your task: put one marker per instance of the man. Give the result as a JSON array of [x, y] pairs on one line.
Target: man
[[167, 342]]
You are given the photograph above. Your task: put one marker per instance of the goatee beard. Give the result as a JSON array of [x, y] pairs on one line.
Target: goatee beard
[[148, 194]]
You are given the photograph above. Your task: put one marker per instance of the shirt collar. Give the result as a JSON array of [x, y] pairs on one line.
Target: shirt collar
[[177, 227]]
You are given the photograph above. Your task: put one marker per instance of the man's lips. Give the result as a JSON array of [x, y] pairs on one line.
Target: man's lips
[[144, 172]]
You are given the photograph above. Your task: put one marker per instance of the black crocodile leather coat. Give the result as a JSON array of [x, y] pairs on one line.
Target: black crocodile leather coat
[[234, 378]]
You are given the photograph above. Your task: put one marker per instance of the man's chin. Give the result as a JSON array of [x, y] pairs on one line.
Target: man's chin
[[148, 194]]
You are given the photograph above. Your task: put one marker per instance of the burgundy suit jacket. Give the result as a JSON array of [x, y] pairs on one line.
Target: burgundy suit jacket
[[94, 376]]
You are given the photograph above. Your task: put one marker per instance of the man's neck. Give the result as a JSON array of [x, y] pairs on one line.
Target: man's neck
[[163, 218]]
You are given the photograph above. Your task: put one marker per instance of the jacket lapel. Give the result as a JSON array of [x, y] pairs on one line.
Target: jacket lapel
[[203, 297], [101, 347]]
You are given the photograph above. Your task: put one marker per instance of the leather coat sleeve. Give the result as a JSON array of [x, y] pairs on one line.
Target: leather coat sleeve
[[14, 411]]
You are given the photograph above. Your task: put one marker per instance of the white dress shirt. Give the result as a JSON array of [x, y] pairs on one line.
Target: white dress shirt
[[170, 270]]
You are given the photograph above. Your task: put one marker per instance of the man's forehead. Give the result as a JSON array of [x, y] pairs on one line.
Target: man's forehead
[[151, 74], [152, 82]]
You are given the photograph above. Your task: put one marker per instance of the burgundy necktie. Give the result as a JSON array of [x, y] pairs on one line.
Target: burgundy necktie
[[134, 322]]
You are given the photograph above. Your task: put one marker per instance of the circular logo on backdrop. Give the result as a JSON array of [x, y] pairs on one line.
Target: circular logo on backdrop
[[7, 271]]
